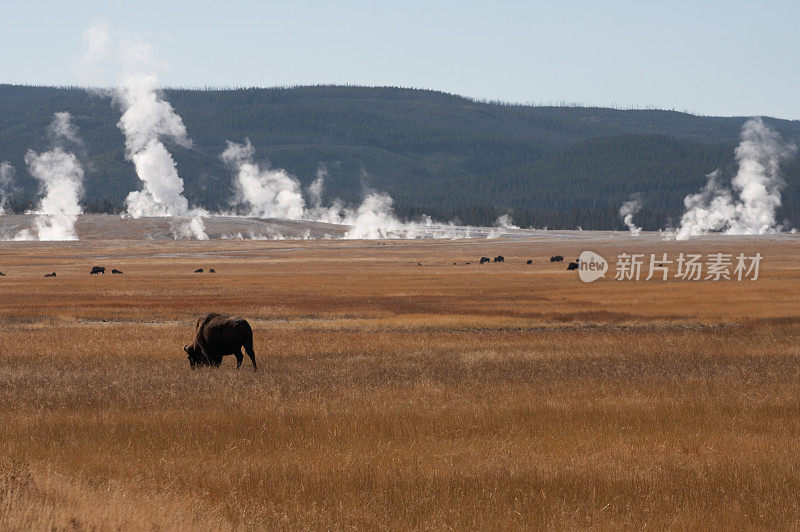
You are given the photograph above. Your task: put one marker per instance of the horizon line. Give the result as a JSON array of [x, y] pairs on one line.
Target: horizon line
[[483, 101]]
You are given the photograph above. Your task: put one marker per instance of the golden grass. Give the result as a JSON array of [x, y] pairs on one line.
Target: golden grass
[[393, 395]]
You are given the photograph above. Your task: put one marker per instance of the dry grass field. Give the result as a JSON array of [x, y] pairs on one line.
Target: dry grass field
[[392, 395]]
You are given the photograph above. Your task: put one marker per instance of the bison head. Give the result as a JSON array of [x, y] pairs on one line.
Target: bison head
[[195, 356]]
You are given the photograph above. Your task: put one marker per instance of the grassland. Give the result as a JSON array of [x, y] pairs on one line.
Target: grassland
[[394, 395]]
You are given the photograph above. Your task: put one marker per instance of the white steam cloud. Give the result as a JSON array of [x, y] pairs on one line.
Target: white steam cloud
[[751, 207], [629, 210], [373, 218], [314, 190], [6, 184], [60, 177], [505, 222], [147, 122], [269, 193], [264, 192]]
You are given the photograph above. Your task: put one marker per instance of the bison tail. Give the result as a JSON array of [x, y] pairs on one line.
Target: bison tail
[[248, 346]]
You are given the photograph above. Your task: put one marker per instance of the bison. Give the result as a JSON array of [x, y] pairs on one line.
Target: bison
[[116, 271], [199, 270], [485, 259], [212, 270], [499, 258], [50, 274], [216, 336], [2, 274], [98, 269], [529, 262], [557, 258], [573, 266]]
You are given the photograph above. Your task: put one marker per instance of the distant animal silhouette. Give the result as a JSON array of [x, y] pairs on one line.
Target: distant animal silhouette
[[212, 270], [529, 262], [199, 270], [499, 258], [98, 269], [573, 266], [50, 274], [115, 271], [485, 260], [557, 258]]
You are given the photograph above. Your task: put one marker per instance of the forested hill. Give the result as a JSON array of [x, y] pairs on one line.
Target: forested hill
[[435, 153]]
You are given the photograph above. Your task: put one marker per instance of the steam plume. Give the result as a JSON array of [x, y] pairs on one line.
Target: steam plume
[[147, 122], [60, 177], [629, 210], [266, 193], [314, 190], [751, 207], [6, 184], [505, 222], [272, 193], [374, 218]]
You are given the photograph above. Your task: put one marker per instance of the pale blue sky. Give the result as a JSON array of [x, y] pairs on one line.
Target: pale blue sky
[[707, 57]]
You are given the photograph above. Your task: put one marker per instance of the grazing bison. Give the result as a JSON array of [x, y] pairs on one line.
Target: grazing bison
[[573, 266], [116, 271], [499, 258], [98, 269], [199, 270], [529, 262], [485, 259], [50, 274], [2, 274], [557, 258], [212, 270], [216, 336]]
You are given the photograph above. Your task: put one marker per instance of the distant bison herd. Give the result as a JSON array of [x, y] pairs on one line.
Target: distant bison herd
[[102, 269], [555, 258], [483, 260]]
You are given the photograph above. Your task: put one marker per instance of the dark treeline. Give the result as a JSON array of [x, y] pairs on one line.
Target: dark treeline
[[439, 154]]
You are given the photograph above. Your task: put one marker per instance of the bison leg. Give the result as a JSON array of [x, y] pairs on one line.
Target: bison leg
[[239, 357], [208, 358]]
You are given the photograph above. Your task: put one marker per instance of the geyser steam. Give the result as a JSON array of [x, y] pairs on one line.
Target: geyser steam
[[751, 207], [147, 122], [505, 221], [6, 184], [270, 193], [264, 192], [629, 210], [60, 177]]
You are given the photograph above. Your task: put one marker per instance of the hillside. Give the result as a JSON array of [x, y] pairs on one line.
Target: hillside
[[435, 153]]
